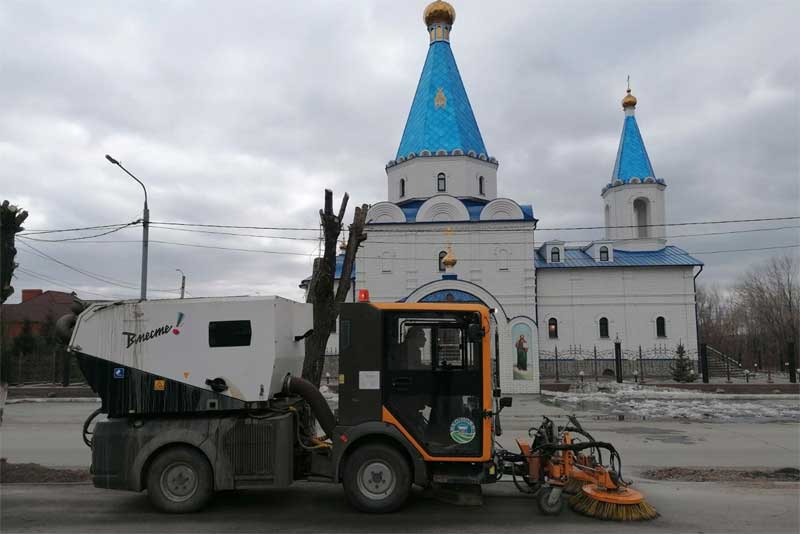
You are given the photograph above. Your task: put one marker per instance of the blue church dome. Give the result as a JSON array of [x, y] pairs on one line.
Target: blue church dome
[[632, 159], [441, 118]]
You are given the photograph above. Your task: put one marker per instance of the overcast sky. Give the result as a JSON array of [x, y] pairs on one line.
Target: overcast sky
[[243, 112]]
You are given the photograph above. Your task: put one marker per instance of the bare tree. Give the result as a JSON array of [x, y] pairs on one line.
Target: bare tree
[[321, 286], [756, 317], [769, 297]]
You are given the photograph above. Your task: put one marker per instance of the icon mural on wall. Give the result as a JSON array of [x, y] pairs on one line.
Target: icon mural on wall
[[521, 337]]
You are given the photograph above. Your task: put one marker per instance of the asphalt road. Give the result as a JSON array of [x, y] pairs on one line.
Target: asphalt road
[[306, 507], [49, 433]]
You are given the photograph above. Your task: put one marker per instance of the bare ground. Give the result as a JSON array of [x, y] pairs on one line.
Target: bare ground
[[690, 474], [37, 474]]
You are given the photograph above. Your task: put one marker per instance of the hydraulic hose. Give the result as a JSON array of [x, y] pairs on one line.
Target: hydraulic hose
[[293, 385], [86, 424]]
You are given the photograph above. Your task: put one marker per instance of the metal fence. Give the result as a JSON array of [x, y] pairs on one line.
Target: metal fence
[[40, 367], [642, 363]]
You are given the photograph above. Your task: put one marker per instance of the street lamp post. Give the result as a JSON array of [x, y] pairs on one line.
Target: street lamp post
[[145, 226], [183, 282]]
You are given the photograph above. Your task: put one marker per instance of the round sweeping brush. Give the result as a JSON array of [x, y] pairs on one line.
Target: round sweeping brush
[[623, 504]]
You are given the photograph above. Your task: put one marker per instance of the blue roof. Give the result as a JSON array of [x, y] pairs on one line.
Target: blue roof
[[474, 207], [336, 275], [632, 160], [577, 257], [435, 123]]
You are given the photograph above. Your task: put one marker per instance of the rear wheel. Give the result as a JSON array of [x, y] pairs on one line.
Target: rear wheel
[[377, 479], [180, 480]]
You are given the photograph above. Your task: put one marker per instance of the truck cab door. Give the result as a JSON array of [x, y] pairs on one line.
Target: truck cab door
[[433, 384]]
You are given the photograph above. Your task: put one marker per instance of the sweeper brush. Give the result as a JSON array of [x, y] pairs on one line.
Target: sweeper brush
[[569, 461], [623, 504]]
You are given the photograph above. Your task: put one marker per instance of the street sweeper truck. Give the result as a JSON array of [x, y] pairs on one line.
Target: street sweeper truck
[[202, 395]]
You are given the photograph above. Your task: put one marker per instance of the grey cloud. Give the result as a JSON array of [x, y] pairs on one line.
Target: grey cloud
[[243, 112]]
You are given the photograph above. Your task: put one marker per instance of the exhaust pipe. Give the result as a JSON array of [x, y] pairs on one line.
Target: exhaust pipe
[[293, 385]]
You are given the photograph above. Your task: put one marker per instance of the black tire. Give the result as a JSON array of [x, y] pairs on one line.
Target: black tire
[[549, 508], [180, 480], [377, 479]]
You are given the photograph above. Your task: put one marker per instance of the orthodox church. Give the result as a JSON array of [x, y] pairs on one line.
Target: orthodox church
[[443, 234]]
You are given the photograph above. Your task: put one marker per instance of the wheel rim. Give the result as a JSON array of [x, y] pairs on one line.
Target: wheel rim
[[179, 482], [376, 480]]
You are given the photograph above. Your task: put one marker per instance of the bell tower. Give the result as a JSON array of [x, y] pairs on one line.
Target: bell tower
[[633, 202]]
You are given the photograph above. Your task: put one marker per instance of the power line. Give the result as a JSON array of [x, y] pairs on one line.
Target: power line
[[437, 242], [117, 229], [102, 278], [391, 227], [262, 251], [729, 232], [291, 238], [288, 253], [60, 230], [745, 249], [285, 228], [376, 229]]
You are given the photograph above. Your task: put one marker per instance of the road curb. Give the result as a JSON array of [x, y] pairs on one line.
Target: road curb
[[51, 399]]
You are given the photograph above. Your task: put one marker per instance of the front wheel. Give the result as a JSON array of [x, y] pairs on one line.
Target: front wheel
[[377, 479], [180, 480], [550, 501]]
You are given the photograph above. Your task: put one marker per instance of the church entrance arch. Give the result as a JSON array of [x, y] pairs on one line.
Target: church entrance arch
[[456, 291]]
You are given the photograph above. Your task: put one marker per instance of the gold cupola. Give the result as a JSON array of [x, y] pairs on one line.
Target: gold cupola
[[439, 17], [439, 11], [629, 101]]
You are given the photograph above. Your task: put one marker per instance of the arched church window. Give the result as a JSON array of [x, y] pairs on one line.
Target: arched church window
[[481, 189], [442, 254], [661, 327], [555, 255], [603, 253], [552, 328], [402, 187], [640, 207], [386, 262], [441, 182], [502, 260], [603, 327]]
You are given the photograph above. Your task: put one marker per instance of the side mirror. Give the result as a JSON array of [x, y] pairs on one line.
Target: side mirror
[[506, 402], [475, 332]]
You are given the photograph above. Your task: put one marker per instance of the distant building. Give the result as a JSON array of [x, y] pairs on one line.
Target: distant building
[[443, 234], [37, 306]]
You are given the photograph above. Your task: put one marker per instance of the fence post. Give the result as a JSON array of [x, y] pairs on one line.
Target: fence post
[[556, 356], [595, 364], [618, 360], [641, 366], [791, 358], [65, 368], [728, 368], [704, 362]]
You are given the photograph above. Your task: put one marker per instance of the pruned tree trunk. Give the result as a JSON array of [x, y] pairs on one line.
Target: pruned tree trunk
[[320, 288]]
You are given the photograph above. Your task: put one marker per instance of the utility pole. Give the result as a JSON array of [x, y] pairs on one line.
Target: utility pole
[[145, 226], [183, 282]]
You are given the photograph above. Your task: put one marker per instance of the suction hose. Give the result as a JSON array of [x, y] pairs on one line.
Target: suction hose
[[293, 385]]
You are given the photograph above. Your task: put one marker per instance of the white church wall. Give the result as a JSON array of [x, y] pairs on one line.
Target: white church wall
[[630, 298], [462, 175], [492, 265]]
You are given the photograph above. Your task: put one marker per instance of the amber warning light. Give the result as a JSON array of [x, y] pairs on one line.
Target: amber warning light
[[363, 295]]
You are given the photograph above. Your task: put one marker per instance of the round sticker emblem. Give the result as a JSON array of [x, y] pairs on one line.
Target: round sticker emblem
[[462, 430]]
